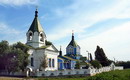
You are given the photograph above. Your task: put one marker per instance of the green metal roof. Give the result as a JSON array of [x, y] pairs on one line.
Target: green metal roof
[[36, 26], [73, 42]]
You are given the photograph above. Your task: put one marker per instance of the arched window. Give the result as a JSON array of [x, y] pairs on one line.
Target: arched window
[[41, 37], [53, 63], [30, 36], [32, 62], [49, 62]]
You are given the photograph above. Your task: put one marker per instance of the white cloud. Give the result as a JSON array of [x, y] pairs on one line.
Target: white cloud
[[17, 2], [5, 29], [115, 42], [10, 34], [120, 9], [63, 31], [79, 18]]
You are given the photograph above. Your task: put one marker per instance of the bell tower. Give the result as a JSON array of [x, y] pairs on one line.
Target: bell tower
[[73, 49], [35, 35]]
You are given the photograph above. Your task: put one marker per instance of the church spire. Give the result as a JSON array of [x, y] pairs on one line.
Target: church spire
[[36, 13], [36, 26], [60, 52], [73, 49], [72, 34], [73, 43], [35, 35]]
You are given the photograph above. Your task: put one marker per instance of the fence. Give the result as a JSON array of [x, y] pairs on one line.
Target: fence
[[76, 71], [89, 71]]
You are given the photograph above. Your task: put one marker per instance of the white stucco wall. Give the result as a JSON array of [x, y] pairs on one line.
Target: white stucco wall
[[52, 55], [37, 55], [35, 42]]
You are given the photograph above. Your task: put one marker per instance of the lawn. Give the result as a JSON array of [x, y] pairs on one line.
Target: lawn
[[112, 75]]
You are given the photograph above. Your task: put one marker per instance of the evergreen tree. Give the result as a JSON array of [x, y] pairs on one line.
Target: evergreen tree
[[101, 57], [91, 58]]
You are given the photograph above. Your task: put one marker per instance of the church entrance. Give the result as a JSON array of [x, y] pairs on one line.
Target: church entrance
[[28, 72]]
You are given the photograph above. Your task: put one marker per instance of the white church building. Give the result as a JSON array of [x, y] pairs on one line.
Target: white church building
[[41, 48], [44, 51], [46, 60]]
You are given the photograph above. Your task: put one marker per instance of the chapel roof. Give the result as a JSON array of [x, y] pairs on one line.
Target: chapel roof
[[36, 26], [73, 42]]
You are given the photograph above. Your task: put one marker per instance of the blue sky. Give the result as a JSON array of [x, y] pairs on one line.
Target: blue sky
[[95, 22]]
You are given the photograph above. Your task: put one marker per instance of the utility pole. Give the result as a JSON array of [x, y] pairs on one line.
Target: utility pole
[[88, 55], [114, 59]]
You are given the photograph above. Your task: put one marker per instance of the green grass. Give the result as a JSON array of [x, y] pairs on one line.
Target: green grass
[[112, 75]]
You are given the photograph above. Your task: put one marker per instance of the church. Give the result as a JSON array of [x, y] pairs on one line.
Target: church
[[44, 51], [41, 48], [46, 60], [68, 61]]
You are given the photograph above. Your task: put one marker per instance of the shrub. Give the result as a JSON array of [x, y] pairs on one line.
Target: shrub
[[95, 64]]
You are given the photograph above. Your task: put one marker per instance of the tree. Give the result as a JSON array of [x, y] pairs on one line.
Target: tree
[[24, 54], [13, 57], [4, 50], [125, 64], [87, 66], [95, 64], [77, 65], [101, 57], [91, 58], [44, 62], [83, 59], [15, 60], [4, 47], [21, 46]]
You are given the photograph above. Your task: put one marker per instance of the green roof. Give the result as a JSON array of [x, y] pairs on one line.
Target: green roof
[[44, 47], [73, 42], [36, 26]]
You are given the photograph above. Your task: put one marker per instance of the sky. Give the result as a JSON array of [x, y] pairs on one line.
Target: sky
[[95, 22]]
